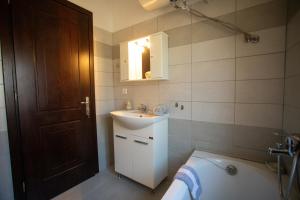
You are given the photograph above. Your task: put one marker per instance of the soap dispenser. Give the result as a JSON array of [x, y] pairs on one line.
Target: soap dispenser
[[128, 105]]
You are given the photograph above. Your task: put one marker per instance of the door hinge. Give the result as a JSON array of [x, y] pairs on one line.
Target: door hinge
[[24, 186]]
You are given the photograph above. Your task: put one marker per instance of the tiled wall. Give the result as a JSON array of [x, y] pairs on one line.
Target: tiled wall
[[292, 77], [232, 92], [292, 74], [6, 188], [104, 91]]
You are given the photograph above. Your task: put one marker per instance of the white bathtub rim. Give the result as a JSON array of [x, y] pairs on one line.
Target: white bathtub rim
[[258, 167]]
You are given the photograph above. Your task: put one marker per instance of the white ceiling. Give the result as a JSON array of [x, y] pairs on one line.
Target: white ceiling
[[114, 15]]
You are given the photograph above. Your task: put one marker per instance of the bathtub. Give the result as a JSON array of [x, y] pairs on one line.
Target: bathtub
[[253, 181]]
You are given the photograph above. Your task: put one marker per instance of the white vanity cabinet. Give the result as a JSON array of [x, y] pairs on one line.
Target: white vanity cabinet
[[142, 154]]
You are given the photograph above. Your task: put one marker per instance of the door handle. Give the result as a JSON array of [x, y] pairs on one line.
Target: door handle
[[87, 106], [140, 142], [122, 137]]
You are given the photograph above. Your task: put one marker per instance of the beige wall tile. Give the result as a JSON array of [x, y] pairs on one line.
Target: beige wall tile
[[213, 112], [260, 67], [146, 94], [292, 88], [291, 119], [213, 91], [260, 115], [104, 107], [122, 35], [260, 91], [116, 51], [103, 36], [212, 132], [292, 60], [214, 8], [102, 50], [179, 73], [180, 55], [103, 79], [179, 36], [116, 65], [255, 138], [103, 64], [175, 92], [144, 28], [218, 70], [172, 20], [208, 30], [104, 93], [263, 16], [271, 41], [120, 104], [214, 49]]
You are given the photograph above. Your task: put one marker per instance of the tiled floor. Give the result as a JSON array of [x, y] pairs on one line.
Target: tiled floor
[[107, 186]]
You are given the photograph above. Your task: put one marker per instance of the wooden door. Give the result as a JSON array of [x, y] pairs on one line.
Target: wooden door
[[53, 45]]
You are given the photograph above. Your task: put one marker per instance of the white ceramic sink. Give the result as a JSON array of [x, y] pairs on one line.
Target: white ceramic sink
[[134, 119]]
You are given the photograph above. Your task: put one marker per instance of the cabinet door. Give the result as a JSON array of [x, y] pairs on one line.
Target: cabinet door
[[142, 159], [156, 56], [124, 67], [122, 147]]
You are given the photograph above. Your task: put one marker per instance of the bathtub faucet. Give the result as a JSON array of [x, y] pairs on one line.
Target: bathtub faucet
[[290, 148]]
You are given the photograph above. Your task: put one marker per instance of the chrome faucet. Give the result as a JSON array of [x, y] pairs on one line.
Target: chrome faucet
[[278, 150], [290, 148], [143, 108]]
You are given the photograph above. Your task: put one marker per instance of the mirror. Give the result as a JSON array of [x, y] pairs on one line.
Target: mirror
[[139, 59], [145, 58]]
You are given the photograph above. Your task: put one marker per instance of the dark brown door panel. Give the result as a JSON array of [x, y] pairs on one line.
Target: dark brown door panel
[[53, 44]]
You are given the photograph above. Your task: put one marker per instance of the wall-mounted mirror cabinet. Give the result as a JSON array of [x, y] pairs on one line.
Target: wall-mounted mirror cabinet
[[145, 58]]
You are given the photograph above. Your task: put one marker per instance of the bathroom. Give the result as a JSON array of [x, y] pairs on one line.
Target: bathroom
[[229, 92]]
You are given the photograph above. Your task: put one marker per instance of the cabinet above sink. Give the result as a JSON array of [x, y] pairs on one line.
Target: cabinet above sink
[[145, 58]]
